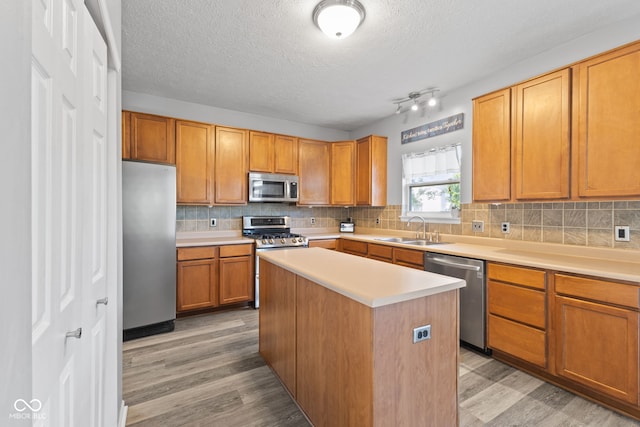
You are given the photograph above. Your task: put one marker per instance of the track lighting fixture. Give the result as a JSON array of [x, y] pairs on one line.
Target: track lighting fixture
[[414, 96]]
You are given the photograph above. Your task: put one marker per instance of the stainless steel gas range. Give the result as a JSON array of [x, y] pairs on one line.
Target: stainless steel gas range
[[270, 233]]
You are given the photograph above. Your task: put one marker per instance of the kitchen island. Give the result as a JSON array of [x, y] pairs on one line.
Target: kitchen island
[[338, 330]]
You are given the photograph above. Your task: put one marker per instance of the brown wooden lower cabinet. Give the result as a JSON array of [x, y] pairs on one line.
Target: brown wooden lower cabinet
[[596, 341], [408, 258], [236, 273], [209, 276], [197, 281], [277, 317], [347, 364], [516, 306], [380, 252], [353, 247], [584, 336], [324, 243]]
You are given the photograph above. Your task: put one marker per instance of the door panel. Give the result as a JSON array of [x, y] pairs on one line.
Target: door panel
[[57, 134], [95, 197]]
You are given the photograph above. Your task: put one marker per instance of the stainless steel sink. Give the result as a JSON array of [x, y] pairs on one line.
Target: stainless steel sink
[[423, 243], [397, 239], [409, 241]]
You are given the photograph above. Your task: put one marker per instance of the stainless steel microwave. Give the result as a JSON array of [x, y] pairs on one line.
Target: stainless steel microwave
[[271, 187]]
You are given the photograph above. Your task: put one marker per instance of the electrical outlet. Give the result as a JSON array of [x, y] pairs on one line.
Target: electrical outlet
[[313, 220], [421, 333], [505, 227], [621, 233], [477, 226], [377, 220], [213, 223]]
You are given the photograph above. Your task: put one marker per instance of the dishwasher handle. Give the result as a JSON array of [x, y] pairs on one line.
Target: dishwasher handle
[[442, 261]]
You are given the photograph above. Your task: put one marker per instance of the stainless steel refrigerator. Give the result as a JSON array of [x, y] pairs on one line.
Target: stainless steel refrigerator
[[149, 248]]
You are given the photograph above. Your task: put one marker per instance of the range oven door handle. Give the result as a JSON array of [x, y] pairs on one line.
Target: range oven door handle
[[454, 264]]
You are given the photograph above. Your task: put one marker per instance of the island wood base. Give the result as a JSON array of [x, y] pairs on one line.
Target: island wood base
[[347, 364]]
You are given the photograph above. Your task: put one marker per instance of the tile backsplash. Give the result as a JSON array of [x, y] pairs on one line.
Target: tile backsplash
[[571, 223]]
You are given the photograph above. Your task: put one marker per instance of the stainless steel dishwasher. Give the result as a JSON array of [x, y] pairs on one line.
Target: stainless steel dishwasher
[[472, 297]]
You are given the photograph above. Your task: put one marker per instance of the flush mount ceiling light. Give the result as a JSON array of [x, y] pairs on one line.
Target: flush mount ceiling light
[[338, 19], [413, 98]]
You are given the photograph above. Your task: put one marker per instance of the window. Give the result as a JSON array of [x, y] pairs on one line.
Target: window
[[431, 183]]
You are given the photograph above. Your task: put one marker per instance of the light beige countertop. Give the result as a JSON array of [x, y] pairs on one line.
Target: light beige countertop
[[617, 264], [600, 262], [214, 238], [372, 283]]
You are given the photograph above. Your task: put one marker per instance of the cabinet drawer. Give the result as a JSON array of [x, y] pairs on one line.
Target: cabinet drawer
[[354, 247], [408, 257], [599, 290], [517, 303], [519, 275], [196, 252], [323, 243], [521, 341], [380, 252], [235, 250]]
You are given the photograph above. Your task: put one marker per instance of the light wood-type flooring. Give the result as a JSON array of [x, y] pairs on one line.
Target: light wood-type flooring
[[208, 373]]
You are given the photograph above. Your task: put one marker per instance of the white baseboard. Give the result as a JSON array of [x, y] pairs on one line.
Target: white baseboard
[[123, 415]]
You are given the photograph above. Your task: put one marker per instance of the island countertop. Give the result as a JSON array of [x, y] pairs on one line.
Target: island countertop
[[370, 282]]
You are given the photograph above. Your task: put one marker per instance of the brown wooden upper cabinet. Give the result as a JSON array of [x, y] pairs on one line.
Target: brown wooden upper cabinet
[[542, 137], [606, 106], [273, 153], [343, 173], [194, 162], [231, 165], [492, 147], [148, 138], [570, 134], [371, 171], [314, 162]]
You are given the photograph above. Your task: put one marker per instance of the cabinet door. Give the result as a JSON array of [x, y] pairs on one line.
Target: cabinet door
[[324, 243], [492, 147], [343, 164], [153, 138], [194, 163], [231, 179], [261, 152], [314, 163], [197, 285], [606, 109], [371, 171], [236, 284], [542, 137], [597, 345], [286, 155], [126, 135], [353, 247]]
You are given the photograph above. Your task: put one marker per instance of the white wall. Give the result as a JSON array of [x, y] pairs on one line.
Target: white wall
[[15, 215], [186, 110], [459, 101]]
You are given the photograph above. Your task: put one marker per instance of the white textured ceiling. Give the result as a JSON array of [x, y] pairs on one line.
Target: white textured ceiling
[[266, 57]]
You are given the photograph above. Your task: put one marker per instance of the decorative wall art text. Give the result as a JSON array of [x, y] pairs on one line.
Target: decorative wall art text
[[439, 127]]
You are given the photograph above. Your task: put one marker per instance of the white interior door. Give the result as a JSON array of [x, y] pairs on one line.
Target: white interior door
[[95, 302], [68, 223]]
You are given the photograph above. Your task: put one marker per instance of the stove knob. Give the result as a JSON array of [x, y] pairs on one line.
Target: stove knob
[[271, 241], [264, 241], [293, 240], [300, 239], [282, 241]]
